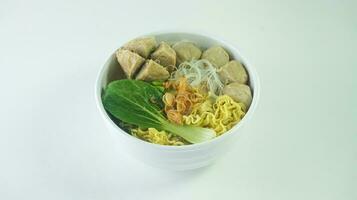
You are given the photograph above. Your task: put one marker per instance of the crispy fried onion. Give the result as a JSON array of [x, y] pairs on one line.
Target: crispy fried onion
[[180, 99]]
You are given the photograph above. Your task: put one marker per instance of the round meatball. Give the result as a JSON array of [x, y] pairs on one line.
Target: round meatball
[[142, 46], [216, 55], [233, 72], [186, 51], [239, 92]]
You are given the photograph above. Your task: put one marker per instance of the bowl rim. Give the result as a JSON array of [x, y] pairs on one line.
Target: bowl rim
[[253, 76]]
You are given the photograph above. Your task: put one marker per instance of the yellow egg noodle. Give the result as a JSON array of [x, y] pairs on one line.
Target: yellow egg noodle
[[220, 116], [158, 137]]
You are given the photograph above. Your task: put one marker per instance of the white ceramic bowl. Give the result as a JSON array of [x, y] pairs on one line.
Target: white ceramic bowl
[[176, 157]]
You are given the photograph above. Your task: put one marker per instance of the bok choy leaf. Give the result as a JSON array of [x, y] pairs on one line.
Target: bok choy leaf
[[140, 103]]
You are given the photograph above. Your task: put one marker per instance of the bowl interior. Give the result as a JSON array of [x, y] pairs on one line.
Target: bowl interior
[[112, 70]]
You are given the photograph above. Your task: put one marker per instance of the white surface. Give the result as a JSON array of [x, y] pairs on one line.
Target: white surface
[[301, 143]]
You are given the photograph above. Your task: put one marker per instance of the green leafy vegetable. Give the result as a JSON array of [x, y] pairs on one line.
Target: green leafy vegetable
[[139, 103], [159, 85]]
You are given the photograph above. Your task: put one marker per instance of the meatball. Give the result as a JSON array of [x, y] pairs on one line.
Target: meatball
[[216, 55], [239, 92], [186, 51], [142, 46], [129, 61], [152, 71], [165, 56], [233, 72]]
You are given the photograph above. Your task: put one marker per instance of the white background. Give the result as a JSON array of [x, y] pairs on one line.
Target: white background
[[300, 144]]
